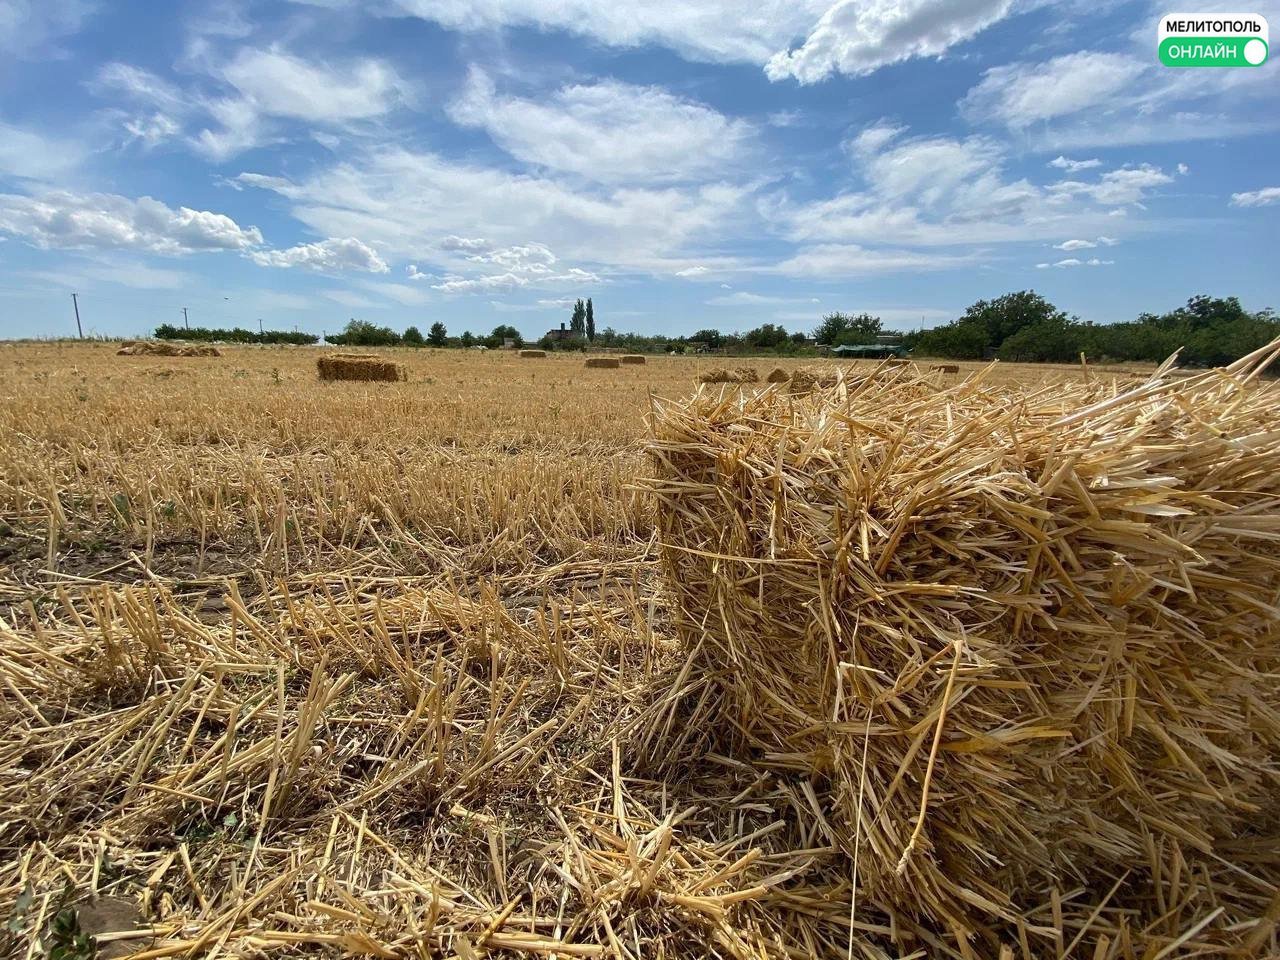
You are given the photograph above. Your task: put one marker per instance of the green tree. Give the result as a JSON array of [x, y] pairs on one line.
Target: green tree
[[467, 339], [412, 337], [987, 324], [361, 333], [438, 335], [768, 336], [501, 332], [590, 318], [711, 337], [837, 328], [578, 320]]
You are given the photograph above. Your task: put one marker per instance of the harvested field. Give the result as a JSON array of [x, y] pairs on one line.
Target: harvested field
[[359, 366], [163, 348], [633, 358], [738, 375], [603, 363], [399, 672]]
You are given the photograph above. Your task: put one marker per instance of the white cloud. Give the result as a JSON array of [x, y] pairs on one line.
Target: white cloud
[[929, 191], [1256, 198], [689, 273], [1124, 186], [851, 36], [1183, 169], [1074, 262], [464, 243], [1021, 94], [1069, 245], [607, 131], [1074, 166], [418, 205], [742, 298], [256, 91], [34, 156], [282, 85], [60, 219], [328, 256], [857, 37], [708, 30], [28, 27], [836, 261]]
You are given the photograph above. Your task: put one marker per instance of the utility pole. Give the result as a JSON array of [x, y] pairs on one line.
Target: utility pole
[[184, 318], [76, 304], [259, 326]]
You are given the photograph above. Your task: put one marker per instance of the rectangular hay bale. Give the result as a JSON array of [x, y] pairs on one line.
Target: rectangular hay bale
[[533, 354], [603, 363], [360, 367], [632, 358], [1025, 638]]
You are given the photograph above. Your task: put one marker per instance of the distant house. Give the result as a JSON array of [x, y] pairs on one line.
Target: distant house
[[875, 351], [562, 334], [508, 343]]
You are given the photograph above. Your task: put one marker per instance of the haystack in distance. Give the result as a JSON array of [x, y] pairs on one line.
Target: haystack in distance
[[359, 366], [1026, 637], [161, 348]]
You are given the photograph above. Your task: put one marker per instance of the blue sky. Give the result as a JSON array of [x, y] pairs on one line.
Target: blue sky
[[685, 164]]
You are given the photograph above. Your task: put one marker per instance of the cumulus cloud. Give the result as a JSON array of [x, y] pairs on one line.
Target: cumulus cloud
[[1068, 245], [938, 191], [607, 130], [410, 203], [334, 255], [1124, 186], [689, 273], [1074, 166], [1256, 198], [856, 37], [60, 219]]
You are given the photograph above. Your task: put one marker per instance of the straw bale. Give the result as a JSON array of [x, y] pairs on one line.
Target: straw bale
[[604, 363], [161, 348], [738, 375], [1020, 639], [946, 367], [632, 358], [533, 354], [778, 375], [359, 366]]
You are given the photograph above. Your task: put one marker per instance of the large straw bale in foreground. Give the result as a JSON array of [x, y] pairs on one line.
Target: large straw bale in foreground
[[1026, 638], [358, 366]]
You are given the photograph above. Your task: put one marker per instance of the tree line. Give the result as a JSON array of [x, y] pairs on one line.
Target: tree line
[[167, 331], [1024, 326]]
